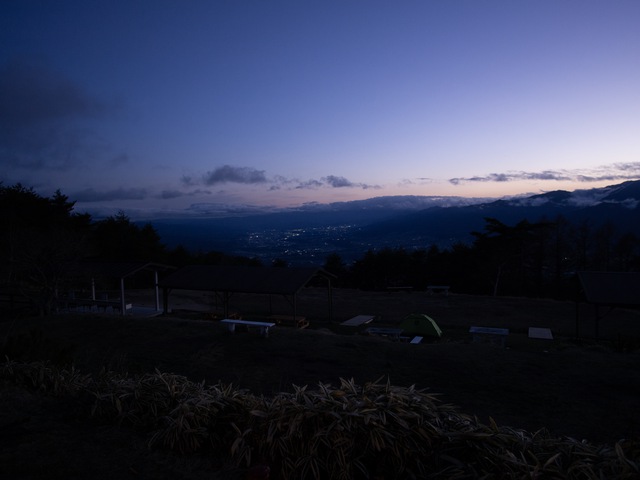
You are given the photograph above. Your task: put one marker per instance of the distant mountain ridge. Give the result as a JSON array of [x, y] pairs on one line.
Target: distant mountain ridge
[[617, 204], [308, 234]]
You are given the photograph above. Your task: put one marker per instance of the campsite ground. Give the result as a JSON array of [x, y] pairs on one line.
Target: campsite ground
[[586, 390]]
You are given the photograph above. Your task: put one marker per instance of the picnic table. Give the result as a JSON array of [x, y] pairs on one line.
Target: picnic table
[[442, 289], [393, 333], [90, 304], [290, 320], [489, 335], [358, 320], [114, 304]]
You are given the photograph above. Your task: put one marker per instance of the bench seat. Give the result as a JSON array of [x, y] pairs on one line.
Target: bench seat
[[262, 326], [434, 289]]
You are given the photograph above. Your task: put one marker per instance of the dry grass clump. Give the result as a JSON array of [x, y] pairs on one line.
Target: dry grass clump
[[181, 415], [45, 377], [375, 430]]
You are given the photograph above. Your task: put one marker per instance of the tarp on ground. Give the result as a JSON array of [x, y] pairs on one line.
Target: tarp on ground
[[420, 324]]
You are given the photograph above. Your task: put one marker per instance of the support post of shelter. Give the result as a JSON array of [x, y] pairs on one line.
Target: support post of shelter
[[577, 321], [295, 311], [225, 303], [157, 290], [123, 305], [165, 300], [330, 293]]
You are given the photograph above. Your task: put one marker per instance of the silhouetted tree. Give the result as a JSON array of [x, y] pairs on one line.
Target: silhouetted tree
[[221, 258], [506, 251], [582, 242], [627, 252], [179, 257], [335, 265], [529, 258], [117, 238], [563, 260], [390, 267], [279, 263], [363, 271], [603, 243], [39, 243]]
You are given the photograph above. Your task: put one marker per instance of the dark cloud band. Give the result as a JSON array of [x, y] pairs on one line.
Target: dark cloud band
[[231, 174], [39, 120], [91, 195], [617, 171]]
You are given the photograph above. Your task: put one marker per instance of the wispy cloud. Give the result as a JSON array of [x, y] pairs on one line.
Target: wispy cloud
[[187, 180], [41, 109], [309, 184], [341, 182], [252, 176], [231, 174], [225, 209], [92, 195], [337, 182], [616, 171], [169, 194]]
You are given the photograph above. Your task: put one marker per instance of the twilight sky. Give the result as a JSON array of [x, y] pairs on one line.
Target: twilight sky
[[169, 107]]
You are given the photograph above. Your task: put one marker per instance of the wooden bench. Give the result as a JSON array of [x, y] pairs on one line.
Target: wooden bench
[[220, 316], [290, 320], [441, 289], [489, 335], [407, 289], [262, 326]]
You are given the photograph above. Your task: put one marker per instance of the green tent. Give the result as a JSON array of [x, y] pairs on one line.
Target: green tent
[[420, 324]]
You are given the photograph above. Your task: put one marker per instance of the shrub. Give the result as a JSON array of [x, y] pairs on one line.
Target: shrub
[[376, 430]]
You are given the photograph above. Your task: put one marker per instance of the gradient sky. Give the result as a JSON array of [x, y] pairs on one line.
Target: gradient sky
[[170, 107]]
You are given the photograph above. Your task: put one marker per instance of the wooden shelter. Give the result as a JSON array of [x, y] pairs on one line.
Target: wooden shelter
[[607, 289], [225, 280], [117, 272]]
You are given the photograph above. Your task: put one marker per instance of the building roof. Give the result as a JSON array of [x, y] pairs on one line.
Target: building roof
[[246, 279], [611, 288]]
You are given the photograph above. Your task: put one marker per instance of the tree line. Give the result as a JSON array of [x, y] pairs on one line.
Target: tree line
[[43, 236], [537, 259]]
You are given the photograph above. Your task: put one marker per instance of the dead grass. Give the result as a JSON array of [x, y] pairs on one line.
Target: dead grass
[[584, 391]]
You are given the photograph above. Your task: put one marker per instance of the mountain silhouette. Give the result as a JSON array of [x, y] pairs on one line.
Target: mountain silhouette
[[618, 205], [312, 232]]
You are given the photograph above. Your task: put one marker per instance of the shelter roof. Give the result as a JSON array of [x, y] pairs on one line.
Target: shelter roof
[[118, 269], [227, 278], [611, 288]]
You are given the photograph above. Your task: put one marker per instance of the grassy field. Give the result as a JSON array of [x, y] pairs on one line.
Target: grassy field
[[584, 390]]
